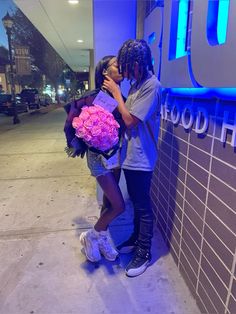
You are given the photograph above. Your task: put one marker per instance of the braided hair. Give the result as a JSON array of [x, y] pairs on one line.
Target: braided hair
[[135, 51]]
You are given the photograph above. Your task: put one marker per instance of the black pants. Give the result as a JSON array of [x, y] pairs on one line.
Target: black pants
[[138, 186]]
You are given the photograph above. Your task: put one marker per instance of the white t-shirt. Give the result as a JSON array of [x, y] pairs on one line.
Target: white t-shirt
[[139, 147]]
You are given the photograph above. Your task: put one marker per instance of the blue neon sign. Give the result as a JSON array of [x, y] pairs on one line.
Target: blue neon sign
[[179, 29], [217, 21]]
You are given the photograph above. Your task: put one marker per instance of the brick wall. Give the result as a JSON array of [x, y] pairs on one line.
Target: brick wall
[[194, 199]]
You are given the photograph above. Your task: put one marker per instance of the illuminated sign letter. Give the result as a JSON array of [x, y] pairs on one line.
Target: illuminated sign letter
[[175, 114], [164, 111], [201, 115], [187, 117], [175, 68], [213, 56], [227, 126], [217, 21]]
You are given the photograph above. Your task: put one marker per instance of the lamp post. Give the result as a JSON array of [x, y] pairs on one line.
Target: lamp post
[[8, 23]]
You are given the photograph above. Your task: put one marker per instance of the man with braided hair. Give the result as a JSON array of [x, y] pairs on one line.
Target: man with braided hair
[[141, 115]]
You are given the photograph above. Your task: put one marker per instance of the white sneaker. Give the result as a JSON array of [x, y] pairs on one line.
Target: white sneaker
[[89, 240], [106, 246]]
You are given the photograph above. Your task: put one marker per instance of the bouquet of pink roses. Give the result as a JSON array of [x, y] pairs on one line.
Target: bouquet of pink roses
[[97, 127]]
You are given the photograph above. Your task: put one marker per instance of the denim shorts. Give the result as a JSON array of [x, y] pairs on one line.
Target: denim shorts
[[99, 165]]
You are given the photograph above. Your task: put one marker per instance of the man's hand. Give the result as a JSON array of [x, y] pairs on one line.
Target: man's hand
[[129, 119], [111, 86]]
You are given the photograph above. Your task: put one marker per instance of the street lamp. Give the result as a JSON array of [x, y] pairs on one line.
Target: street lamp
[[8, 23]]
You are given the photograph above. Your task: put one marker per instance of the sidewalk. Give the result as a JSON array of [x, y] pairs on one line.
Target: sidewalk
[[46, 201]]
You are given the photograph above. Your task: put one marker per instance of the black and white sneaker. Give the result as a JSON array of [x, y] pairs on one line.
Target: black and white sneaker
[[139, 262], [127, 246]]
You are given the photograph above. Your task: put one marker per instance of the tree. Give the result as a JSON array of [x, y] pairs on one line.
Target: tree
[[33, 80], [43, 55]]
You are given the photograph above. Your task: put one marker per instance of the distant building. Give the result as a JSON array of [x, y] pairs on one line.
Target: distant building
[[5, 86], [3, 81]]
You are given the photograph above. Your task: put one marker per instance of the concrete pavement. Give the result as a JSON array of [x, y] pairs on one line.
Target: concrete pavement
[[46, 201]]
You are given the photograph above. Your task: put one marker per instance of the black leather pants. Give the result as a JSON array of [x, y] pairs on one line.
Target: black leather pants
[[138, 186]]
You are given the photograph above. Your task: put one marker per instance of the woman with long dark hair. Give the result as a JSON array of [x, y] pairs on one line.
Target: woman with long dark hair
[[97, 241]]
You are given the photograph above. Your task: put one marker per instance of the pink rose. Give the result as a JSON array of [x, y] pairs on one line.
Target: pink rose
[[84, 113], [88, 124], [87, 137], [92, 110], [76, 122], [94, 118], [95, 131], [110, 121]]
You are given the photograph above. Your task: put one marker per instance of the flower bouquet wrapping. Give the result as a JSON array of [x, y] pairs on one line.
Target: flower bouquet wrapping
[[98, 128]]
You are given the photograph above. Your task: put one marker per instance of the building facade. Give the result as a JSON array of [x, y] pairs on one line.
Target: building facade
[[194, 184]]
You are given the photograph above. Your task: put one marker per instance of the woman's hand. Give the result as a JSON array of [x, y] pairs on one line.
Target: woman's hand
[[111, 86]]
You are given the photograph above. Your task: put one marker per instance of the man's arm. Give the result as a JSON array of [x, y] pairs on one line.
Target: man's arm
[[129, 119]]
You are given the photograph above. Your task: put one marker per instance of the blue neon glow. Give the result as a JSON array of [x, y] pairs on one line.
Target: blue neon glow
[[223, 15], [179, 29], [173, 30], [217, 21], [160, 45], [151, 38], [191, 74], [182, 28], [222, 93]]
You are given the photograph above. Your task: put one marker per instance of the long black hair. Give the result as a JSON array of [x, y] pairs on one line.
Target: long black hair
[[132, 51], [99, 71]]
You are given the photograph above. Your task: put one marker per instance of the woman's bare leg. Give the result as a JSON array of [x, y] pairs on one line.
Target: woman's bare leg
[[113, 193], [106, 203]]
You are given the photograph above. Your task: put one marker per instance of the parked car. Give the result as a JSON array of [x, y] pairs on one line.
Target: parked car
[[6, 104], [45, 100], [31, 97]]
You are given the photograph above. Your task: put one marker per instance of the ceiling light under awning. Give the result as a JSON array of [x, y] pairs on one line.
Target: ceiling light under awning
[[73, 1], [80, 41]]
